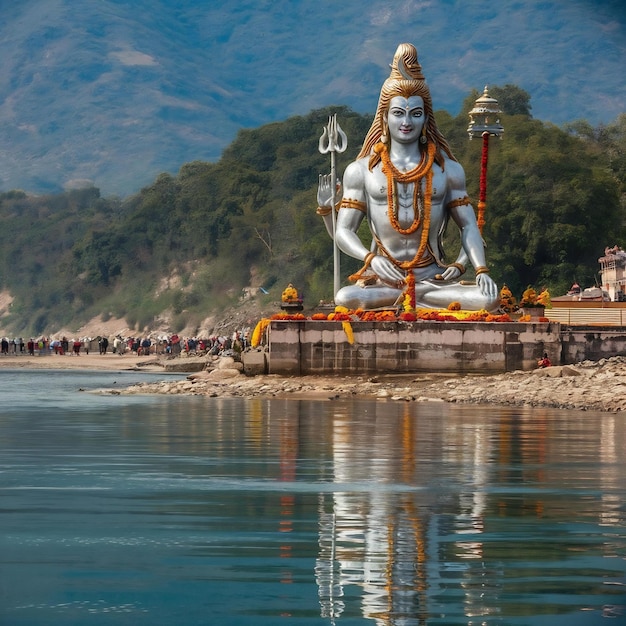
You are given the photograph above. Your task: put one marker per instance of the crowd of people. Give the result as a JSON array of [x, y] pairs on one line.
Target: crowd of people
[[174, 344]]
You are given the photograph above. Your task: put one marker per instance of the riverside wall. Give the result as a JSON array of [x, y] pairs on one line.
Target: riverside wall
[[591, 342], [310, 347]]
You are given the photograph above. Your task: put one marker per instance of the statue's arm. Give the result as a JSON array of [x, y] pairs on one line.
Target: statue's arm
[[463, 215], [465, 219], [349, 219]]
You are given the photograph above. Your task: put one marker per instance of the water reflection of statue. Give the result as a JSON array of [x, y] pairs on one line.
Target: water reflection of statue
[[374, 539], [407, 184]]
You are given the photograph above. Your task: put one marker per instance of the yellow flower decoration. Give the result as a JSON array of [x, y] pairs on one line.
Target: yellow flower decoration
[[529, 297], [258, 331], [347, 328], [290, 294], [544, 298]]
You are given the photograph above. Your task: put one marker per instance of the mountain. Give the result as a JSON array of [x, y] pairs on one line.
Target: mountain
[[116, 91]]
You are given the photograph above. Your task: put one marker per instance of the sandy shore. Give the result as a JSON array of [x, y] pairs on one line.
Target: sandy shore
[[599, 386], [91, 361]]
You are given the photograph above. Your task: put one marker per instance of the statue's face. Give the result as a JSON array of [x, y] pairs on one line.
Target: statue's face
[[406, 118]]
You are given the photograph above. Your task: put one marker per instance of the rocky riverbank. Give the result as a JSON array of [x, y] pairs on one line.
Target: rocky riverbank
[[599, 386]]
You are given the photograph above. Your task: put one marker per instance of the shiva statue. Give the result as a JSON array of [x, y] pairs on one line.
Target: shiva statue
[[407, 183]]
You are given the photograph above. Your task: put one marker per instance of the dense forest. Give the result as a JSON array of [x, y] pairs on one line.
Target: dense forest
[[187, 245]]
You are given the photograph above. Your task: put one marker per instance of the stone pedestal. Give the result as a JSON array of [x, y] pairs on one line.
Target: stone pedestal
[[535, 312], [322, 347]]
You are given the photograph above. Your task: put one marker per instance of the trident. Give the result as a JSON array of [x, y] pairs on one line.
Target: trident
[[333, 140]]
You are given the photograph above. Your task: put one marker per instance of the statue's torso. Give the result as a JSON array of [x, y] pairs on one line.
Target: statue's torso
[[402, 247]]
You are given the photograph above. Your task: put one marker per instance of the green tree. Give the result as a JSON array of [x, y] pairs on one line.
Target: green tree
[[190, 242]]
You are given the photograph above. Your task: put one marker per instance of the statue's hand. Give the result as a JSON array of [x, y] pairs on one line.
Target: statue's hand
[[487, 285], [451, 273], [387, 271], [325, 190]]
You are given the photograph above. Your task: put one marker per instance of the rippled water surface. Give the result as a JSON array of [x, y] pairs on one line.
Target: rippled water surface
[[155, 511]]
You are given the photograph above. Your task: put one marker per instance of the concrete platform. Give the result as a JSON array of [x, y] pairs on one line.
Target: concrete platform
[[312, 347]]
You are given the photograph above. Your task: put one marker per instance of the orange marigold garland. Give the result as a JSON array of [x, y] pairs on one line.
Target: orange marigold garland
[[459, 315], [341, 314], [319, 316], [410, 291], [395, 176], [288, 316], [408, 303], [414, 176], [409, 314], [338, 317], [377, 316], [504, 317]]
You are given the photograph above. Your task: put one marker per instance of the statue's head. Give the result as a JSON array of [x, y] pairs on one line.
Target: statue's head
[[405, 79]]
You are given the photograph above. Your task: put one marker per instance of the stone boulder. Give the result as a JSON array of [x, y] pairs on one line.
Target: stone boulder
[[228, 363], [185, 365], [223, 373], [557, 371]]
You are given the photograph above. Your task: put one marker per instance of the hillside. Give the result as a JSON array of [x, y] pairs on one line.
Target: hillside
[[218, 242]]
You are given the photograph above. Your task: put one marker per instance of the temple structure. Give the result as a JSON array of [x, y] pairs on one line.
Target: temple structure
[[613, 271]]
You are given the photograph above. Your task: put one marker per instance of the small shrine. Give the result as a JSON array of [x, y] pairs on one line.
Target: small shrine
[[290, 299]]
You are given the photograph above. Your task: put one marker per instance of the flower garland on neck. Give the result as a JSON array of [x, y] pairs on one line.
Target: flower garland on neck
[[395, 176], [424, 168]]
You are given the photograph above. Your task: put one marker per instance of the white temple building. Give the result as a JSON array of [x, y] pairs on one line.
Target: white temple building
[[613, 271]]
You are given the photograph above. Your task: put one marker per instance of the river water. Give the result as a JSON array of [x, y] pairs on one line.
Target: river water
[[200, 511]]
